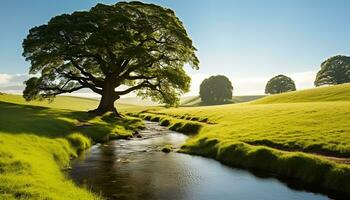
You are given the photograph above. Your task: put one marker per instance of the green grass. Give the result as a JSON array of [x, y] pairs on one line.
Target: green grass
[[31, 167], [319, 127], [246, 98], [266, 133], [36, 144], [190, 101], [179, 125], [70, 103], [306, 168], [62, 102], [196, 100], [320, 94]]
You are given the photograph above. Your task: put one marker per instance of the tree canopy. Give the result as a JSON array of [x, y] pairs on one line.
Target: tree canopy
[[141, 46], [279, 84], [216, 90], [334, 70]]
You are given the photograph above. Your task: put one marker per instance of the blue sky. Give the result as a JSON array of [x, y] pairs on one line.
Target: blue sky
[[247, 40]]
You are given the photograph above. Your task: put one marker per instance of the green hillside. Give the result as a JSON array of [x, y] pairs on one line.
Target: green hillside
[[302, 135], [61, 102], [246, 98], [269, 134], [37, 142], [68, 102], [137, 101], [190, 101], [320, 94], [196, 100]]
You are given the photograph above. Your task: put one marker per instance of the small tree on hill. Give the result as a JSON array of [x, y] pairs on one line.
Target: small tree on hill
[[142, 46], [335, 70], [216, 90], [279, 84]]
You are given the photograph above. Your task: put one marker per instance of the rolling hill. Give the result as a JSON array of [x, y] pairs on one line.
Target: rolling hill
[[303, 134], [321, 94], [38, 139], [70, 103], [196, 100]]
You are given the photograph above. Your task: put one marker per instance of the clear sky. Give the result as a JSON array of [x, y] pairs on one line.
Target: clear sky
[[248, 40]]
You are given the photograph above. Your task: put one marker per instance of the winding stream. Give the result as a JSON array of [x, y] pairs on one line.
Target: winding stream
[[137, 169]]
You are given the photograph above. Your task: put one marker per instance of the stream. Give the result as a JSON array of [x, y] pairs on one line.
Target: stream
[[137, 169]]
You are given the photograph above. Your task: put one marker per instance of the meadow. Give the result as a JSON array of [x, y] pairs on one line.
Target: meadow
[[37, 143], [196, 100], [302, 134]]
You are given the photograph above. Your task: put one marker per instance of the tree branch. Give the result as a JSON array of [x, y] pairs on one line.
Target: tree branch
[[143, 84], [127, 91], [97, 82], [86, 54], [82, 80], [126, 73], [60, 90], [96, 57], [88, 85], [123, 65], [140, 77]]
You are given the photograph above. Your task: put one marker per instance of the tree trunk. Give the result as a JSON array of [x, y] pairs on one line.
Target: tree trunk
[[107, 100], [106, 104]]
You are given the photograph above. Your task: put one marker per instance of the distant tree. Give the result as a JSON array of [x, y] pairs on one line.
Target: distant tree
[[335, 70], [141, 46], [279, 84], [216, 90]]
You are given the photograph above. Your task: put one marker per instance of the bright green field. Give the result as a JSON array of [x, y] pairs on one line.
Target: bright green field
[[69, 103], [36, 144], [313, 126], [260, 134], [320, 94], [196, 100], [320, 126]]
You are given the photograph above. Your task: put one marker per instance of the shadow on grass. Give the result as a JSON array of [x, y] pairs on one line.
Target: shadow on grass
[[51, 123]]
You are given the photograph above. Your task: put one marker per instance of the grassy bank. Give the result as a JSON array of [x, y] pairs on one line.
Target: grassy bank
[[307, 169], [180, 125], [271, 133], [36, 144]]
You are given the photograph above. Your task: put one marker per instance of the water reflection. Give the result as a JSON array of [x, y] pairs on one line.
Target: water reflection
[[136, 169]]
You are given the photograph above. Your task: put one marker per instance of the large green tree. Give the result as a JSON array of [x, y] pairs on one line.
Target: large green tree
[[279, 84], [216, 90], [335, 70], [112, 50]]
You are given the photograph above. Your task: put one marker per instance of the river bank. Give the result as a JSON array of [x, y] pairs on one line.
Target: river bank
[[38, 143], [138, 169], [307, 169]]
